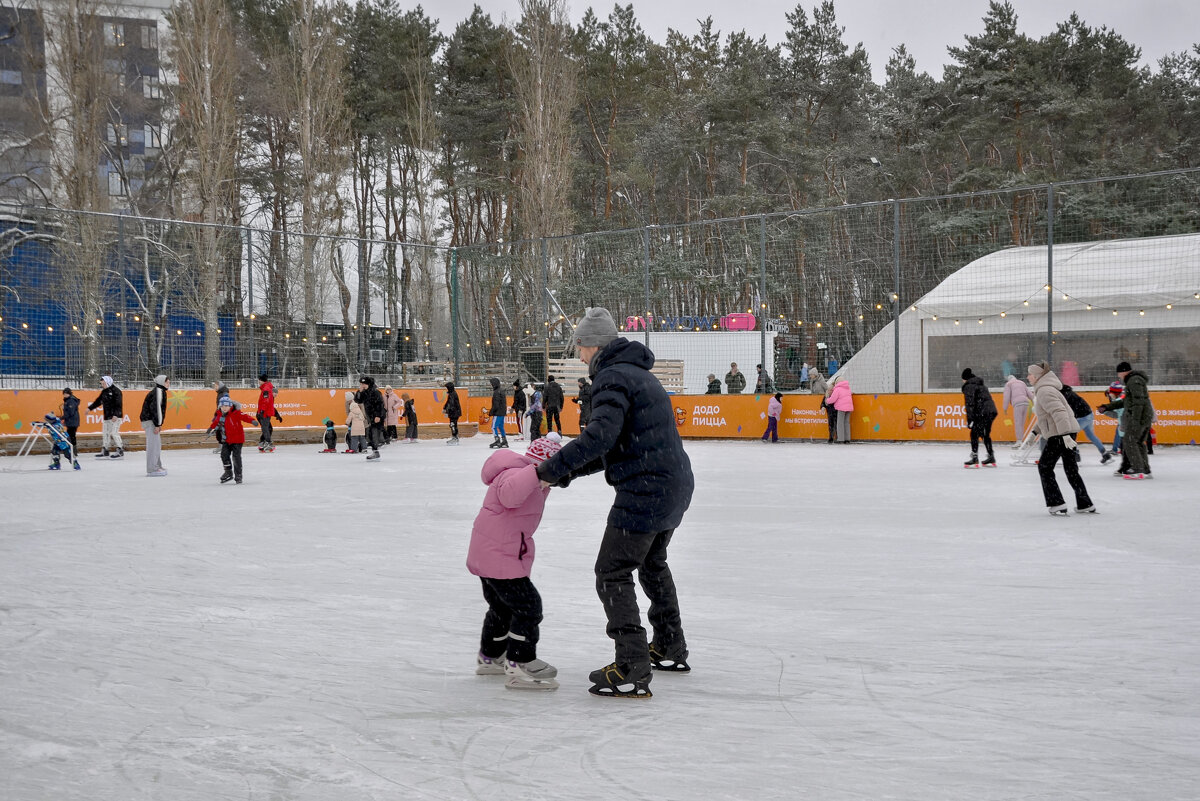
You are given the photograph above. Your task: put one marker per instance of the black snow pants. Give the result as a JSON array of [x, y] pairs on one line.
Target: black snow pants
[[982, 430], [511, 622], [1055, 450], [231, 458], [621, 552]]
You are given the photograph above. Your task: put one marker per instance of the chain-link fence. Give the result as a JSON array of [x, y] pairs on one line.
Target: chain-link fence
[[899, 295]]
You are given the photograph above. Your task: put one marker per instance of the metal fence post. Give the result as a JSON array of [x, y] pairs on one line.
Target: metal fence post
[[896, 291], [454, 308], [1050, 275], [762, 297], [646, 284], [250, 302], [545, 308]]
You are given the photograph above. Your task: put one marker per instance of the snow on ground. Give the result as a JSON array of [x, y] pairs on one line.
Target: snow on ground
[[865, 622]]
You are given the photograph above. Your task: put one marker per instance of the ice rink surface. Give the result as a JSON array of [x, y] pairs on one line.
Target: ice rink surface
[[865, 622]]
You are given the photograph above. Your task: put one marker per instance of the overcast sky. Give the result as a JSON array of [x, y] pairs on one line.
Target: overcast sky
[[927, 27]]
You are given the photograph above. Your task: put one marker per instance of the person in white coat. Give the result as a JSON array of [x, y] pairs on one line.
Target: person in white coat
[[1057, 426], [1017, 396]]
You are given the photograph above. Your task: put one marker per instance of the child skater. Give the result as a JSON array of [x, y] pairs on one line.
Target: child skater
[[330, 438], [410, 418], [501, 554], [230, 420], [356, 425]]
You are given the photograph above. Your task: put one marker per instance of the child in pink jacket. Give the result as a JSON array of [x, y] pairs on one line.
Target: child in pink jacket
[[774, 410], [842, 399], [501, 554]]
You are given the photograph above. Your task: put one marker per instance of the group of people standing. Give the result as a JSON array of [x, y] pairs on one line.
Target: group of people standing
[[1061, 414], [528, 402]]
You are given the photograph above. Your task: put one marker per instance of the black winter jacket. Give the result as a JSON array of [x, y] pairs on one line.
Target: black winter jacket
[[452, 407], [499, 405], [632, 437], [1079, 407], [977, 400], [584, 399], [111, 400], [154, 407], [372, 401], [70, 416], [518, 403], [410, 412], [552, 396]]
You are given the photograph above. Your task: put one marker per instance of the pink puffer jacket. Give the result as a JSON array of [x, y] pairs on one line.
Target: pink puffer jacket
[[840, 397], [502, 538]]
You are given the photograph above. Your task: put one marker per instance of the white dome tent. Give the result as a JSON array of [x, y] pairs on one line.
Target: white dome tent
[[1124, 299]]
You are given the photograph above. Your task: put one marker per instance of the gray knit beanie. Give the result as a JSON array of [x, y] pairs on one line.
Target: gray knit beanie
[[596, 329]]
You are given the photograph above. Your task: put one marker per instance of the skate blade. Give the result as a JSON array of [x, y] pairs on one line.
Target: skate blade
[[531, 684], [609, 692], [672, 667]]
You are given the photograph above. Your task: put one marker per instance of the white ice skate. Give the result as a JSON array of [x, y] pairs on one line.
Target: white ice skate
[[532, 675], [489, 665]]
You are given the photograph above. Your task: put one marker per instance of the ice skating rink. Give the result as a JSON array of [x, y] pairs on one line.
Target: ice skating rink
[[866, 622]]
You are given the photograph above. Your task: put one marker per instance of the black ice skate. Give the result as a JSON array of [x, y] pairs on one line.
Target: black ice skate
[[616, 681], [972, 462], [103, 454], [226, 476], [670, 664], [990, 461]]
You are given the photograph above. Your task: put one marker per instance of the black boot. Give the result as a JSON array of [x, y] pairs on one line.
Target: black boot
[[621, 681], [495, 442], [228, 474], [973, 461], [503, 442]]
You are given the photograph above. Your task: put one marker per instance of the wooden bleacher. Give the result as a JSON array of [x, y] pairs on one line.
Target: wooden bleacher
[[668, 372], [471, 375]]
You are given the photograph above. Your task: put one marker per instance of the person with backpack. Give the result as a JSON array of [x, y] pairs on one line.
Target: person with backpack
[[1085, 417]]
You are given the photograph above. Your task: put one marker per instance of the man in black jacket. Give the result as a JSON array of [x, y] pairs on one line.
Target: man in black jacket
[[981, 411], [584, 400], [372, 402], [113, 409], [552, 402], [498, 410], [632, 437]]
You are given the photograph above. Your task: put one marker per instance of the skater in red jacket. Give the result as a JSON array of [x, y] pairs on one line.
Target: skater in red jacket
[[230, 421]]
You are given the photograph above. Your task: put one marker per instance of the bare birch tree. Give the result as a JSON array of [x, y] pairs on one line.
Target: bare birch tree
[[74, 112], [545, 80], [204, 53], [318, 108]]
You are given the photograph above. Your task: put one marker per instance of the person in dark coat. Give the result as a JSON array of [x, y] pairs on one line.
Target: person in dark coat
[[112, 403], [410, 418], [1138, 416], [498, 410], [452, 408], [714, 385], [981, 411], [584, 401], [519, 405], [1086, 419], [631, 437], [376, 410], [552, 403], [70, 418]]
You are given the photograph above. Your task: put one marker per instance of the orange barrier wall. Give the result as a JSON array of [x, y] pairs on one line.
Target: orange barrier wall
[[194, 408], [920, 417]]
